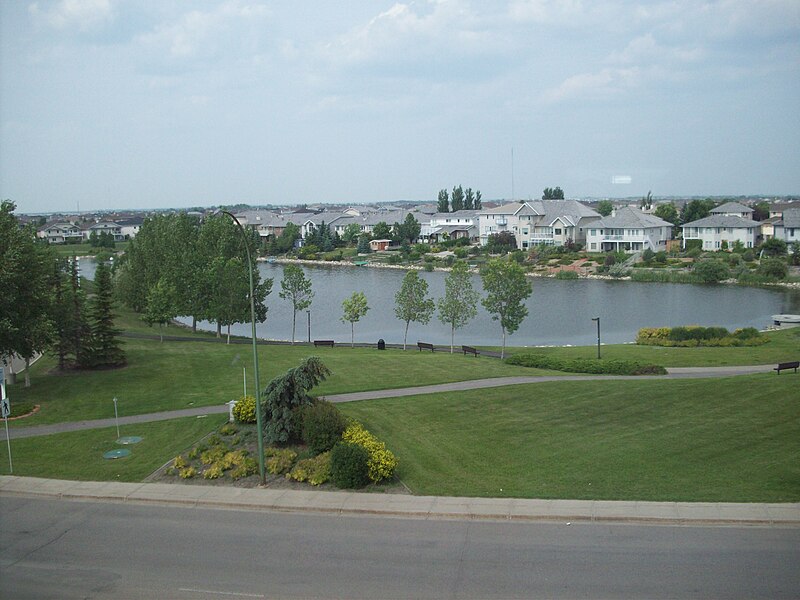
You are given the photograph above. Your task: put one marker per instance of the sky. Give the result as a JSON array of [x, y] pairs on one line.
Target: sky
[[108, 104]]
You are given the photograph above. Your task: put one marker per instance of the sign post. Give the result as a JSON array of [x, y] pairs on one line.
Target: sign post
[[5, 410], [116, 416]]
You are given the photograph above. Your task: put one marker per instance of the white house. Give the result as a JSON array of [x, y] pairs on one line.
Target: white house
[[130, 227], [550, 222], [61, 233], [732, 209], [628, 230], [104, 227], [718, 231], [450, 225]]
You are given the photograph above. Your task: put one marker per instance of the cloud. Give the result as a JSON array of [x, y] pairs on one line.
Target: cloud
[[645, 48], [81, 14], [205, 33], [603, 84]]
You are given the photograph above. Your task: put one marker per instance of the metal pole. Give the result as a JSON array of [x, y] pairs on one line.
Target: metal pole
[[598, 335], [116, 416], [244, 379], [8, 440], [308, 313], [261, 470]]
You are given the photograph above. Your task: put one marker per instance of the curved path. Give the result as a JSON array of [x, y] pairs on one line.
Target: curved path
[[458, 386]]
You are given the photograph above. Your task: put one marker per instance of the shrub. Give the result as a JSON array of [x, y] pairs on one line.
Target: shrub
[[349, 465], [461, 252], [179, 462], [279, 460], [315, 470], [585, 365], [382, 462], [748, 255], [212, 455], [693, 252], [618, 270], [694, 336], [648, 255], [322, 426], [228, 429], [233, 459], [187, 473], [773, 267], [566, 275], [428, 267], [213, 472], [248, 467], [711, 270], [244, 410]]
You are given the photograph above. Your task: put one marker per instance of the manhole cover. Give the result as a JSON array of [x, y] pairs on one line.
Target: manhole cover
[[112, 454], [129, 439]]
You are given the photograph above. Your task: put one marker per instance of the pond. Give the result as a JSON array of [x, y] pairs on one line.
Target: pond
[[559, 312]]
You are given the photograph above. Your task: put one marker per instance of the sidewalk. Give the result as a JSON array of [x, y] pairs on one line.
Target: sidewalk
[[406, 506]]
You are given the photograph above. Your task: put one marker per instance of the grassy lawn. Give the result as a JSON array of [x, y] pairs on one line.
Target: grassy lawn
[[735, 440], [78, 455], [783, 346], [176, 375]]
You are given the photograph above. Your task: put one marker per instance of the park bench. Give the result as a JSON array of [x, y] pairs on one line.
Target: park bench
[[423, 346], [786, 366], [323, 343], [469, 350]]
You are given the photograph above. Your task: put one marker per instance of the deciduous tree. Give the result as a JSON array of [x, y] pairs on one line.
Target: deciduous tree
[[297, 289], [459, 304], [506, 291], [411, 303], [354, 308]]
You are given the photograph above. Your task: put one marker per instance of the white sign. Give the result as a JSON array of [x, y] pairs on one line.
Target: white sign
[[2, 382], [5, 407]]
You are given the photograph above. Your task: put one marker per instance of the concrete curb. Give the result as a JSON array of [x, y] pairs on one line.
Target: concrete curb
[[406, 506]]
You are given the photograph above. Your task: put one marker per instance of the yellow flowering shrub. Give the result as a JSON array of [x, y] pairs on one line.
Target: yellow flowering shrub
[[187, 473], [244, 410], [179, 462], [279, 460], [315, 470], [382, 462], [213, 472]]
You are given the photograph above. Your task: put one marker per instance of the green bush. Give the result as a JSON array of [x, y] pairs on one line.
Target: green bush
[[321, 426], [248, 467], [694, 336], [279, 460], [349, 465], [244, 410], [567, 275], [585, 365], [711, 270], [315, 470], [213, 472], [381, 461], [227, 429], [773, 267]]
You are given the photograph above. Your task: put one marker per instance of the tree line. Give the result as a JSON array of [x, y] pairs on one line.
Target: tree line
[[461, 199]]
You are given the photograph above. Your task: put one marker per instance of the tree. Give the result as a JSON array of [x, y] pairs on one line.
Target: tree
[[555, 193], [286, 240], [381, 231], [297, 289], [409, 230], [478, 205], [411, 303], [604, 207], [761, 211], [160, 307], [711, 270], [695, 210], [351, 232], [469, 199], [459, 304], [354, 308], [286, 393], [501, 242], [442, 203], [506, 291], [647, 202], [457, 199], [773, 267], [105, 349], [26, 271], [668, 212], [774, 247], [363, 244]]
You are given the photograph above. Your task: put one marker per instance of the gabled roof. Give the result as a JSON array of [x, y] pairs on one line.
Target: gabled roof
[[627, 217], [731, 221], [730, 207], [791, 217]]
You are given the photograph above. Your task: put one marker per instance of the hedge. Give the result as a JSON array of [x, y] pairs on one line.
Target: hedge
[[585, 365], [693, 336]]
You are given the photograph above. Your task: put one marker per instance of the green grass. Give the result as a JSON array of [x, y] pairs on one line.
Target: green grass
[[78, 455], [783, 346], [86, 249], [733, 440], [175, 375]]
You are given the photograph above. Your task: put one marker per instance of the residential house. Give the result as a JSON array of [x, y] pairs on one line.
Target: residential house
[[450, 226], [628, 229], [788, 228], [732, 209], [719, 231], [550, 222], [61, 233], [130, 227], [109, 227]]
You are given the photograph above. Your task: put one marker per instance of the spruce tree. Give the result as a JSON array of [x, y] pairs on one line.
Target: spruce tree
[[105, 347]]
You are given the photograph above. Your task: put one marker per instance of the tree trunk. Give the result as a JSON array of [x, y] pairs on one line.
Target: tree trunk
[[229, 334], [161, 332], [219, 329], [352, 334], [294, 320], [405, 336], [194, 324], [452, 337], [503, 349], [27, 372]]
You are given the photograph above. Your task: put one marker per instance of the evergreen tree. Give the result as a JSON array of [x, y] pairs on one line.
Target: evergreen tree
[[363, 244], [105, 350], [442, 204], [469, 199], [478, 205], [457, 199]]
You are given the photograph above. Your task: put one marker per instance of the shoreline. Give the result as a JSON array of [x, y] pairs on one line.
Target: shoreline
[[788, 285]]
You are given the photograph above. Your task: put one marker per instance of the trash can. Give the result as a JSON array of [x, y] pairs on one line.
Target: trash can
[[381, 345]]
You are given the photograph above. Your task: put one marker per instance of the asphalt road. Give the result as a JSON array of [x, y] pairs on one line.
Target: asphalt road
[[63, 549]]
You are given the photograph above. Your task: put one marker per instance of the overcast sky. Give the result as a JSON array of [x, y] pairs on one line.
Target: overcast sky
[[137, 104]]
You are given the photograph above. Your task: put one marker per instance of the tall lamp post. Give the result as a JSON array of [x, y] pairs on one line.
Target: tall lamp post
[[255, 350], [598, 335]]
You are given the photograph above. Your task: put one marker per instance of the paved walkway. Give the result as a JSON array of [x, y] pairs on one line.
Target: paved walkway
[[458, 386], [406, 506]]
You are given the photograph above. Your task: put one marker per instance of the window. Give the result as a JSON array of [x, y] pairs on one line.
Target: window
[[524, 232], [593, 232], [593, 246], [558, 232]]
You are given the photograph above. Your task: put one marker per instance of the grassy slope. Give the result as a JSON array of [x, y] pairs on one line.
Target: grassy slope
[[79, 455], [733, 439]]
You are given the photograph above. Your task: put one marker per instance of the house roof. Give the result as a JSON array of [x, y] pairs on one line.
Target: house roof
[[730, 207], [631, 217], [791, 217], [731, 221]]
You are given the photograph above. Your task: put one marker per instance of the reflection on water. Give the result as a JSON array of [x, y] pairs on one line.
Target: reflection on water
[[559, 312]]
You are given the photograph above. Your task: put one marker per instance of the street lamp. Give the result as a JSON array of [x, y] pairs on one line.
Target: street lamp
[[598, 335], [255, 349], [308, 313]]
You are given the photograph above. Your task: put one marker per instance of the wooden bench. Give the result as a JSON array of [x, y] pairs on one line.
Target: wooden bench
[[786, 366], [323, 343], [469, 350], [423, 346]]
